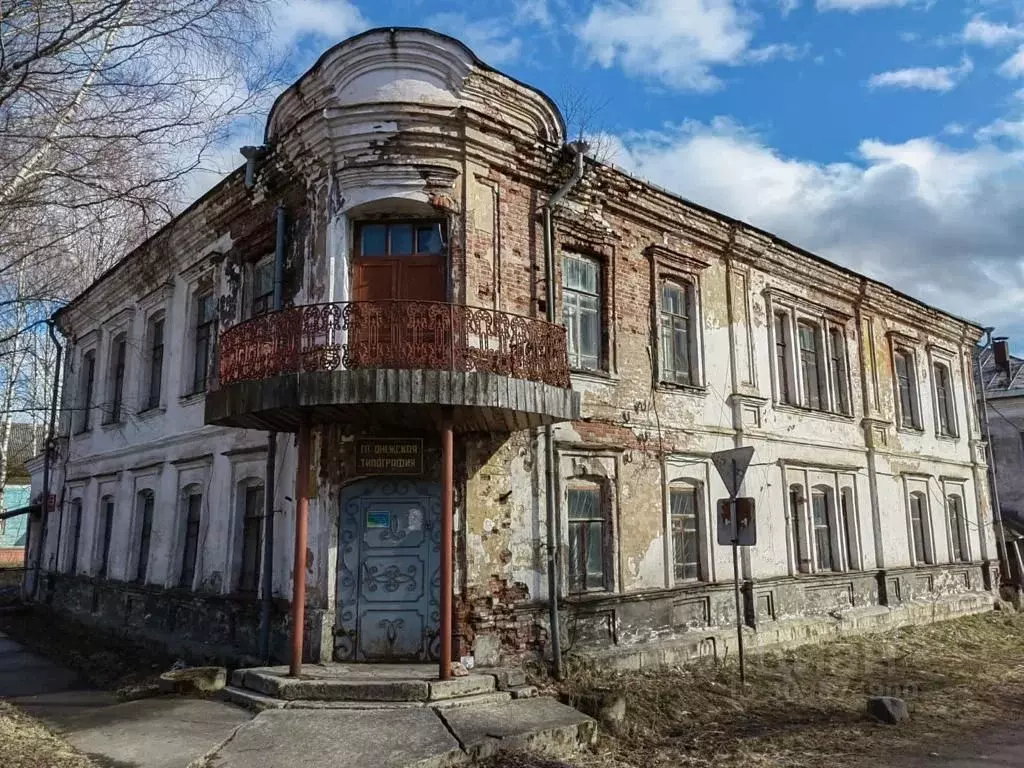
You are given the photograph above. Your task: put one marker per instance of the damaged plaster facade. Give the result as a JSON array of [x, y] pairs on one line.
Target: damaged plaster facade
[[689, 333]]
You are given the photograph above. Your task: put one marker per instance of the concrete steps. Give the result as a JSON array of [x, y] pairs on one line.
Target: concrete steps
[[258, 702]]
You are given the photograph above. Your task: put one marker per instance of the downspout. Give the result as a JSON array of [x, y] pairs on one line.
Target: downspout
[[47, 453], [580, 149], [997, 516], [267, 604]]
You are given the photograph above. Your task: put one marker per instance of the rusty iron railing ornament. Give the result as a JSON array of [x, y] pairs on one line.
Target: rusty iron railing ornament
[[399, 334]]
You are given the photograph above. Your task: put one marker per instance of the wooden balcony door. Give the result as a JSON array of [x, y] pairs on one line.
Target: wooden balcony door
[[395, 261]]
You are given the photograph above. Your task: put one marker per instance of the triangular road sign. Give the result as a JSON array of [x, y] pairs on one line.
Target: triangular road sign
[[732, 466]]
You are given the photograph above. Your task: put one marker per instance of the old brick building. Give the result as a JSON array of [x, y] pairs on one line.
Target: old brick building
[[398, 216]]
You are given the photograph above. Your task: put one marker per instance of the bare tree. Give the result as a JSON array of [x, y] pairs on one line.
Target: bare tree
[[106, 106], [583, 114]]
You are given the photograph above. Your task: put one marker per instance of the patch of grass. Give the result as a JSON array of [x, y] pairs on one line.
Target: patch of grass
[[25, 743], [806, 707]]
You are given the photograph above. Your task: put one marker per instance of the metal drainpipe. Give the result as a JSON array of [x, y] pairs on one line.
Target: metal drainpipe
[[580, 150], [997, 516], [47, 453], [267, 604]]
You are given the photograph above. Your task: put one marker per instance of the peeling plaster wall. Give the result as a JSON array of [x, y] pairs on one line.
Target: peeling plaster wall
[[426, 131]]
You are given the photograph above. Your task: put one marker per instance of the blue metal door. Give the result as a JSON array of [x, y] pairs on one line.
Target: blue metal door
[[388, 571]]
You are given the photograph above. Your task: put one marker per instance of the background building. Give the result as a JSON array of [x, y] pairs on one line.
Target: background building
[[398, 213]]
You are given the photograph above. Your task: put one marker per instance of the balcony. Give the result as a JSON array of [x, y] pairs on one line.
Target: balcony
[[407, 363]]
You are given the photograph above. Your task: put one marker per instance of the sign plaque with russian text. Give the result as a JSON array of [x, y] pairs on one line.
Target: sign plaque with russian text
[[389, 456]]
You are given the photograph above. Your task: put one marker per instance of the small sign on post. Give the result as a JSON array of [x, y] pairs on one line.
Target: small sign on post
[[736, 525], [736, 522]]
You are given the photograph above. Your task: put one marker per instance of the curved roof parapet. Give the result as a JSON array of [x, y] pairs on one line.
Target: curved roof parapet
[[412, 65]]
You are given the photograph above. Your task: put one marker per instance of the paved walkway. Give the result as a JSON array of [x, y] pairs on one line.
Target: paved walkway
[[163, 732]]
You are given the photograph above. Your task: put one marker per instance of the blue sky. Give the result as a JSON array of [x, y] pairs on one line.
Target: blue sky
[[883, 134]]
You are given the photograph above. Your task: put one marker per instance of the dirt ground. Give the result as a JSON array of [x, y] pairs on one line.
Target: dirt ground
[[807, 707], [801, 708]]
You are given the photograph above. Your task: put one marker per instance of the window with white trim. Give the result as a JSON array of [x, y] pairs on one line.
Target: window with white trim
[[904, 373], [204, 344], [581, 311], [154, 362], [920, 528], [251, 496], [678, 332], [686, 523], [145, 503], [74, 534], [115, 380], [262, 287], [945, 409], [822, 510], [958, 550], [809, 362], [86, 391], [589, 537], [192, 504], [839, 377], [106, 533], [848, 525]]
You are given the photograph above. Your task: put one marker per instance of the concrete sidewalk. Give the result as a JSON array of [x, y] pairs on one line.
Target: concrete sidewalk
[[163, 732]]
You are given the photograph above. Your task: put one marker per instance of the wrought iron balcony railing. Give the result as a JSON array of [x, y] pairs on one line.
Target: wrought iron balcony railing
[[416, 335]]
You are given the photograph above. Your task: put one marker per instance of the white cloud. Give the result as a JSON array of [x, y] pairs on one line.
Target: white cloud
[[981, 31], [675, 41], [323, 22], [941, 224], [786, 7], [941, 79], [955, 129], [533, 12], [1013, 66], [784, 51], [1002, 128], [490, 39], [853, 6]]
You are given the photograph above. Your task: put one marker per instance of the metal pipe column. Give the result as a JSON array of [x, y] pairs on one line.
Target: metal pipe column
[[301, 533], [447, 510]]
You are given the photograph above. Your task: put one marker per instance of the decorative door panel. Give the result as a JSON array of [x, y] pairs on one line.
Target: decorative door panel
[[388, 571]]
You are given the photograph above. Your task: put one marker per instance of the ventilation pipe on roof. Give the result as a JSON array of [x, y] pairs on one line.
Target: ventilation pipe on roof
[[1001, 352], [251, 155], [579, 150]]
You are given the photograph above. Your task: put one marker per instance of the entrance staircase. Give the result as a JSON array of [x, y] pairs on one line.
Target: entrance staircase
[[487, 711]]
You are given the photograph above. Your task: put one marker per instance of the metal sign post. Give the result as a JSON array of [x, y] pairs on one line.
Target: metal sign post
[[736, 526]]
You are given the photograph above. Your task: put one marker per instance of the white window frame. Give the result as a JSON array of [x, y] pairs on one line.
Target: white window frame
[[917, 487], [146, 377], [601, 365], [904, 347], [844, 536], [83, 419], [691, 294], [251, 270], [704, 552], [944, 358], [795, 314]]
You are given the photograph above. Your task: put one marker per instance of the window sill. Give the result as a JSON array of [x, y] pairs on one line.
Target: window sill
[[947, 438], [604, 377], [82, 432], [910, 430], [193, 397], [670, 387], [109, 425], [589, 595], [803, 411], [151, 412]]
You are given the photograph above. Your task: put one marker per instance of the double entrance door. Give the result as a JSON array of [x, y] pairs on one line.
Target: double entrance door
[[389, 571]]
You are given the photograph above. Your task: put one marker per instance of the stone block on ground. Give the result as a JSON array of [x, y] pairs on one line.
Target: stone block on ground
[[506, 677], [888, 709], [609, 709], [540, 725], [194, 680]]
